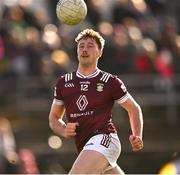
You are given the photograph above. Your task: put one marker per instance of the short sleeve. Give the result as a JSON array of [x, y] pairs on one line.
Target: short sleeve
[[58, 98], [120, 93]]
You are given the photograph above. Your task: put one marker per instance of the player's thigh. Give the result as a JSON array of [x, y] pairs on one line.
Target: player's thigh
[[89, 162], [115, 170]]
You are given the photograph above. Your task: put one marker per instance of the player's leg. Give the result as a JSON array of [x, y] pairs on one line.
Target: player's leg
[[89, 162], [115, 170], [98, 155]]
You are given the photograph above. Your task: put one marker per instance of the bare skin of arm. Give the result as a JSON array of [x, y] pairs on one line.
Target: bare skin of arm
[[136, 122], [58, 125]]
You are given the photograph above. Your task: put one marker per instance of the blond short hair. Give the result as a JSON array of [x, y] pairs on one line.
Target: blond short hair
[[90, 33]]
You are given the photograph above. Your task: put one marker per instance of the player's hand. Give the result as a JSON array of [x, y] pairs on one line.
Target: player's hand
[[70, 130], [136, 142], [12, 157]]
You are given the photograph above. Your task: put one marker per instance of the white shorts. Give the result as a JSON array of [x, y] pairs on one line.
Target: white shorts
[[107, 144]]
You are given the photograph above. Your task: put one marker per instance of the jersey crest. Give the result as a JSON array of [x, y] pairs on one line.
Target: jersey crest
[[99, 87]]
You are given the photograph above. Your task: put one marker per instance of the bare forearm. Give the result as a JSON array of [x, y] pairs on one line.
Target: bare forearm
[[61, 129], [136, 121], [55, 119], [58, 126]]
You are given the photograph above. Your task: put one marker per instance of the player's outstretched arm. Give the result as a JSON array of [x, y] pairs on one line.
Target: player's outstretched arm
[[136, 122], [58, 125]]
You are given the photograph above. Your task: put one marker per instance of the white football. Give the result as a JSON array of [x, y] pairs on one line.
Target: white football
[[71, 12]]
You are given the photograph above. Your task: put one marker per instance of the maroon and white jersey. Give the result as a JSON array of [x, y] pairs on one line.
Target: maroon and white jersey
[[89, 100]]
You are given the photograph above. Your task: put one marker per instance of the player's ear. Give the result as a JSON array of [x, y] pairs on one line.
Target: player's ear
[[100, 53]]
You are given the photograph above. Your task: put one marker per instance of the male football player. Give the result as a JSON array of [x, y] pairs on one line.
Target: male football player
[[87, 96]]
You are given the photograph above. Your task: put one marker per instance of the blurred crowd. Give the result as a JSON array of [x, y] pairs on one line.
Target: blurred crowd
[[142, 37], [12, 159]]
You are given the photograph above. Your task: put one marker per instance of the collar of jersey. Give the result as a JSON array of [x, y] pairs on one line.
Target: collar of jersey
[[78, 74]]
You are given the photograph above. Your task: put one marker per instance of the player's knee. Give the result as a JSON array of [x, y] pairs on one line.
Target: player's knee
[[85, 171], [115, 170]]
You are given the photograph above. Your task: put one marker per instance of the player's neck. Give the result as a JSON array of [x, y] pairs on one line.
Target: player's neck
[[87, 70]]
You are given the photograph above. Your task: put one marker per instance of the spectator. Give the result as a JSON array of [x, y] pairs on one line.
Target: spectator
[[8, 154], [28, 164]]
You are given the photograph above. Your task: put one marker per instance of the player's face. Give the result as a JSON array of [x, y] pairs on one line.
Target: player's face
[[88, 51]]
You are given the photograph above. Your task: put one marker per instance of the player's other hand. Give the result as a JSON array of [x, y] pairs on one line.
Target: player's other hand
[[136, 142], [70, 129]]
